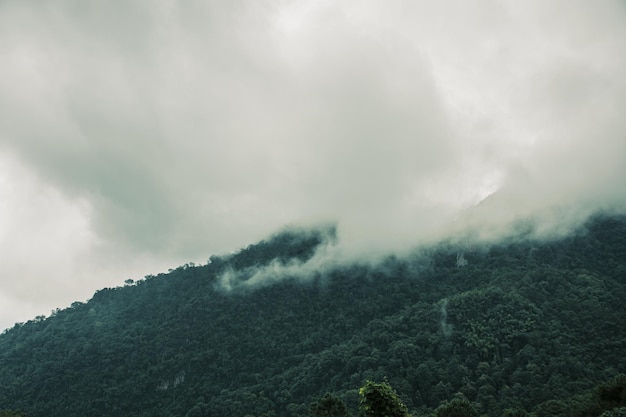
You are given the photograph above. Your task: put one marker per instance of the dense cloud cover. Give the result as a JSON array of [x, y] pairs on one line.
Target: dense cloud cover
[[136, 135]]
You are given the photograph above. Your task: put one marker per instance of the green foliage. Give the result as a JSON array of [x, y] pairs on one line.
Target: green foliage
[[9, 413], [458, 407], [532, 325], [617, 412], [380, 400], [329, 406], [613, 393], [514, 412]]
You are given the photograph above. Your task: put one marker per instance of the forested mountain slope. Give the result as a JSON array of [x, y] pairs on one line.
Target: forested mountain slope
[[512, 325]]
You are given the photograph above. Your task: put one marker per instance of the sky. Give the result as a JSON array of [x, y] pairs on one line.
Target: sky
[[136, 136]]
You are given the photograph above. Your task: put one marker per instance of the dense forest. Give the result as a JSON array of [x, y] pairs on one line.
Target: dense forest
[[524, 327]]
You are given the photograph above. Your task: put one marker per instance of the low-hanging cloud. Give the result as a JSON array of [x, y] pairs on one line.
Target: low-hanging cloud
[[181, 129]]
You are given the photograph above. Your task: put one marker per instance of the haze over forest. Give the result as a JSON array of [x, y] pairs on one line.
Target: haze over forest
[[527, 328], [138, 136]]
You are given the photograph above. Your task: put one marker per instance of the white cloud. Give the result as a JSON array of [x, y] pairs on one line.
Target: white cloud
[[171, 131], [51, 257], [41, 236]]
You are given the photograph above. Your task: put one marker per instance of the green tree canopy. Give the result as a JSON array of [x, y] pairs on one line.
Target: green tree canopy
[[329, 406], [380, 400]]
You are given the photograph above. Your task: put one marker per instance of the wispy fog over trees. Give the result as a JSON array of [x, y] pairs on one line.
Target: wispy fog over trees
[[520, 327]]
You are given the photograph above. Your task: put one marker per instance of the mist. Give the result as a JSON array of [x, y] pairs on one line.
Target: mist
[[137, 137]]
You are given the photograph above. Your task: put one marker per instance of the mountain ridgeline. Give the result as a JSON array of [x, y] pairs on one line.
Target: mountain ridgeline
[[531, 326]]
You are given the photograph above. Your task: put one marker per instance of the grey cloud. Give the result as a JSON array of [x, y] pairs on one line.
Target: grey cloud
[[160, 155], [190, 128]]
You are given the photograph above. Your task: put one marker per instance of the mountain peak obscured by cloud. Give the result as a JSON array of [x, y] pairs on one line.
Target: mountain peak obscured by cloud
[[178, 130]]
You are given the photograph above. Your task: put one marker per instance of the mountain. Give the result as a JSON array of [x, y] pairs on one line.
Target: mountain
[[518, 325]]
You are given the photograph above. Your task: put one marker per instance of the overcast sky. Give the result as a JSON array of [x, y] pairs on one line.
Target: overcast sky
[[138, 135]]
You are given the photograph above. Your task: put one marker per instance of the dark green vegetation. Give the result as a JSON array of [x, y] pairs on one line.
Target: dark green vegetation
[[380, 400], [8, 413], [523, 327]]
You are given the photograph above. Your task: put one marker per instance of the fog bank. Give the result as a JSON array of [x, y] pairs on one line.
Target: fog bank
[[142, 135]]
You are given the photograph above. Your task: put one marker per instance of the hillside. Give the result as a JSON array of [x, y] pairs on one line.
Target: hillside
[[511, 325]]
